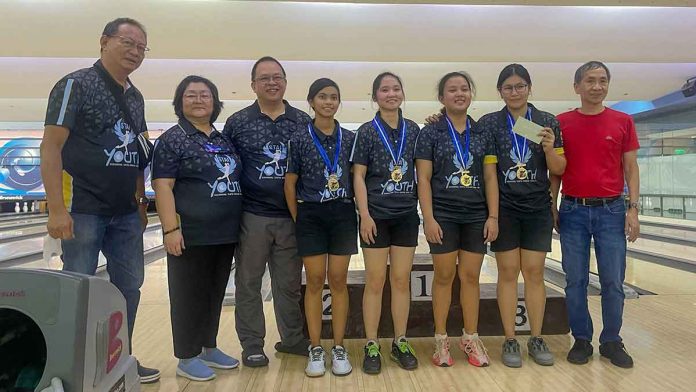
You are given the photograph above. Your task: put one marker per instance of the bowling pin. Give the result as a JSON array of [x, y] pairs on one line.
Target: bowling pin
[[17, 210], [25, 207]]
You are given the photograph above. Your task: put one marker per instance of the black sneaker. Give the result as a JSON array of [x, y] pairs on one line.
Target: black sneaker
[[147, 375], [372, 364], [403, 354], [581, 352], [300, 348], [616, 352], [254, 358]]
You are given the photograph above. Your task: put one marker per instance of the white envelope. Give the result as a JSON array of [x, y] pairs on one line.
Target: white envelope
[[528, 129]]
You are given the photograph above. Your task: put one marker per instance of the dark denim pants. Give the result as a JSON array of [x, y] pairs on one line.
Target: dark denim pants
[[605, 224], [120, 239]]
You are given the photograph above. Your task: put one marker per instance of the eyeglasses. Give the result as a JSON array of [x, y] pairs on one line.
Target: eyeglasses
[[268, 79], [192, 97], [130, 43], [520, 88]]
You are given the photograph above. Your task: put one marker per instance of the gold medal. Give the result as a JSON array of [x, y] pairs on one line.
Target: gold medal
[[396, 174], [465, 179], [521, 172], [332, 183]]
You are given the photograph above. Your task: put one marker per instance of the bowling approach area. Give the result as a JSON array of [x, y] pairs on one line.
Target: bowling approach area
[[658, 329]]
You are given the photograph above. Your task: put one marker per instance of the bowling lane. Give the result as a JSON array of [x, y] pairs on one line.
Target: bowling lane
[[26, 232], [653, 277]]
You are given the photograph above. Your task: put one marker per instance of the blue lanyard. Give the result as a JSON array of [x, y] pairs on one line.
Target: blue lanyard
[[463, 157], [387, 142], [515, 138], [331, 168]]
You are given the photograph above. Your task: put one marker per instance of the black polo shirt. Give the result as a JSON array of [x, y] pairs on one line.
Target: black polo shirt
[[306, 162], [101, 161], [262, 144], [387, 198], [531, 193], [453, 201], [207, 191]]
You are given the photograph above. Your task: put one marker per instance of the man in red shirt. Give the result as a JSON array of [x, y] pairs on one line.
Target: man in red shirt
[[600, 146]]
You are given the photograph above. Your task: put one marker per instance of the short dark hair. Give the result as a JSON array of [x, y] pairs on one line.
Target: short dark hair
[[511, 70], [319, 85], [111, 28], [263, 60], [589, 66], [378, 81], [179, 96], [444, 79]]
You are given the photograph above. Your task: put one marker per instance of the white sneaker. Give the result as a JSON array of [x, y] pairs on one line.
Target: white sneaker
[[340, 364], [315, 362]]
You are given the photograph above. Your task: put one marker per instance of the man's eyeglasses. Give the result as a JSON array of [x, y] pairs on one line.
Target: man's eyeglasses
[[268, 79], [520, 88], [130, 43]]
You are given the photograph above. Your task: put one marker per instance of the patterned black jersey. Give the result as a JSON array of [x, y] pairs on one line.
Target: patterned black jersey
[[521, 190], [101, 161], [389, 195], [207, 190], [262, 144], [458, 188], [314, 183]]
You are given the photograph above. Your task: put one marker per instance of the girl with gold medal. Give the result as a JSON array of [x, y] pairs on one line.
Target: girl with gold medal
[[318, 190], [525, 209], [458, 194], [385, 192]]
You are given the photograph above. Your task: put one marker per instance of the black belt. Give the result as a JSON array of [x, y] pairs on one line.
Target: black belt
[[591, 201]]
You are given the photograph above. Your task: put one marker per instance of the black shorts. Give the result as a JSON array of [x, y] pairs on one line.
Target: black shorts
[[401, 231], [330, 227], [460, 236], [526, 230]]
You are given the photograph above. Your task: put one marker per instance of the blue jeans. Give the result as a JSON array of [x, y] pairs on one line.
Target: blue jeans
[[120, 239], [605, 224]]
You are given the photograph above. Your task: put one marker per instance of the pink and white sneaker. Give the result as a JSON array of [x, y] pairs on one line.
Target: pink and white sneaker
[[442, 357], [475, 350]]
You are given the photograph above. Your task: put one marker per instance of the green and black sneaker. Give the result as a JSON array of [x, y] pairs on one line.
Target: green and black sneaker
[[403, 354], [372, 364]]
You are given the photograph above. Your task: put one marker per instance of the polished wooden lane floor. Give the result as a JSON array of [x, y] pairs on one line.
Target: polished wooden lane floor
[[659, 331]]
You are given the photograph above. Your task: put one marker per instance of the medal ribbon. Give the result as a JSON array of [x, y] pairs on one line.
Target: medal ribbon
[[331, 168], [387, 142], [463, 157], [515, 138]]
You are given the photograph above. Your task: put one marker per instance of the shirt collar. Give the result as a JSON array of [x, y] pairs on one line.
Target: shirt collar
[[290, 112], [503, 112], [190, 130], [129, 84], [323, 137], [384, 124]]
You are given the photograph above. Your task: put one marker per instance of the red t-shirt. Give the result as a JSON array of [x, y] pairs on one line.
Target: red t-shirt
[[594, 147]]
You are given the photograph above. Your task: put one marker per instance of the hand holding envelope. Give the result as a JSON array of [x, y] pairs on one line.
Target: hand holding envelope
[[534, 132]]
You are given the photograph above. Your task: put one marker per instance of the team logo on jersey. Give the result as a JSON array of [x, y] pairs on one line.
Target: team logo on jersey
[[330, 191], [223, 186], [520, 173], [123, 154], [462, 177], [274, 168], [391, 186]]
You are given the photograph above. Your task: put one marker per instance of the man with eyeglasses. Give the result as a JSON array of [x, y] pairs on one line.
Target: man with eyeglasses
[[260, 134], [601, 149], [93, 155]]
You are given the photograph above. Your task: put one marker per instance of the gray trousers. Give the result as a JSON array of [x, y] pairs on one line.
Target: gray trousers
[[267, 240]]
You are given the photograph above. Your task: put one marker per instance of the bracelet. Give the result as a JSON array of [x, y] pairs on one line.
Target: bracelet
[[492, 217], [170, 231]]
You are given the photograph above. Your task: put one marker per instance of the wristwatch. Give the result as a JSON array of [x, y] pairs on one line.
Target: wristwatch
[[634, 204], [143, 201]]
